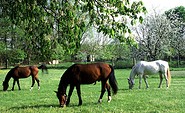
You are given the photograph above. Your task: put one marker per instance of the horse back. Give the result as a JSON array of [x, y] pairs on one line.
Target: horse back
[[163, 65], [24, 72], [89, 73], [153, 67]]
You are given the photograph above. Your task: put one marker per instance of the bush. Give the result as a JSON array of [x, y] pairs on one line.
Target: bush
[[122, 64]]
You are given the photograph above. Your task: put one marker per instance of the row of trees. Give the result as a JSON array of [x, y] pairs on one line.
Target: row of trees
[[46, 30], [160, 36], [43, 30]]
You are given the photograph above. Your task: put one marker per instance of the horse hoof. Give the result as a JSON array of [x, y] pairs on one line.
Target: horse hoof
[[79, 104], [109, 99], [100, 101], [62, 106], [31, 88]]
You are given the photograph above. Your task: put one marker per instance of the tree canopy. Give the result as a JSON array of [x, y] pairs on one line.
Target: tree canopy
[[46, 24]]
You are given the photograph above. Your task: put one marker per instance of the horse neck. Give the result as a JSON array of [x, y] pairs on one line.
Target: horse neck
[[7, 78], [62, 86], [132, 74], [65, 80]]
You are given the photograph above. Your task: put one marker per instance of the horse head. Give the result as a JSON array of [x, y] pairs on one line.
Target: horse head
[[62, 98], [5, 86], [131, 83]]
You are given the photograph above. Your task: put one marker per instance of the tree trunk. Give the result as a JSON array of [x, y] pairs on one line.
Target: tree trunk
[[178, 60], [6, 64]]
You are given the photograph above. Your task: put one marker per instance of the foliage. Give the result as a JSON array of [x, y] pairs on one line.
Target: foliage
[[2, 51], [121, 51], [58, 52], [123, 64], [110, 17], [154, 37], [161, 36], [2, 47], [103, 47], [13, 56], [16, 56], [177, 18], [178, 11], [65, 22]]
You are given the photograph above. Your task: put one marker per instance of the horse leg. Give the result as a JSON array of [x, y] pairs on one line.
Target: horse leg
[[140, 81], [146, 82], [79, 94], [102, 91], [42, 70], [33, 82], [161, 79], [18, 84], [69, 94], [108, 90], [38, 82], [166, 78], [13, 84]]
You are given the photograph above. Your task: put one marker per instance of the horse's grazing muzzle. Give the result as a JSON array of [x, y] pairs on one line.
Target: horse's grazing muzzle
[[62, 106], [131, 86], [4, 89]]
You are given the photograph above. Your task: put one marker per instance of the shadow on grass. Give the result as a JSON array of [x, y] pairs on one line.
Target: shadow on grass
[[15, 90], [84, 104], [6, 90], [52, 106], [123, 89], [34, 106]]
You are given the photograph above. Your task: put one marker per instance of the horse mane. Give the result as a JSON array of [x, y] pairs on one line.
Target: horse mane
[[16, 67], [64, 80], [68, 72], [9, 74], [133, 73]]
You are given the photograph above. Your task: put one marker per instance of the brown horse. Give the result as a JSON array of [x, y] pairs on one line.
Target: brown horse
[[86, 74], [21, 72]]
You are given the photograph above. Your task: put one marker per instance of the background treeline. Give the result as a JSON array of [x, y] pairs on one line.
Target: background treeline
[[35, 31]]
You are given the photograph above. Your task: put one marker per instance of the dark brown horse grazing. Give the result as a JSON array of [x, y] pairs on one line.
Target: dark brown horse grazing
[[44, 68], [21, 72], [86, 74]]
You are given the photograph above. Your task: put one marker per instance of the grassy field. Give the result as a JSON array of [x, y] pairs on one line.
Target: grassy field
[[153, 100]]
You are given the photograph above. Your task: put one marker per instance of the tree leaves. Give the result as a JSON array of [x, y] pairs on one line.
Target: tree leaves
[[67, 21]]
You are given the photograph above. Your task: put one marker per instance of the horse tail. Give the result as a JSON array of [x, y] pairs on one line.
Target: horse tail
[[112, 81], [169, 76]]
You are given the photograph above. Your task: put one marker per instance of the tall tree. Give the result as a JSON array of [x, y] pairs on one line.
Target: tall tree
[[177, 18], [68, 20], [154, 37]]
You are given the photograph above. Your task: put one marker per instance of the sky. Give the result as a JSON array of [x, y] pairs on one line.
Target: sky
[[162, 5]]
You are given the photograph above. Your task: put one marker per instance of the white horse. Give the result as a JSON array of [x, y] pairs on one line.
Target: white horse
[[144, 68]]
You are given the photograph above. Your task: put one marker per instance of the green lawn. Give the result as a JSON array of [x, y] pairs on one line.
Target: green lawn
[[143, 100]]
